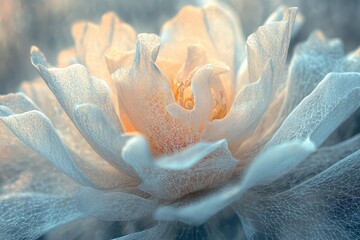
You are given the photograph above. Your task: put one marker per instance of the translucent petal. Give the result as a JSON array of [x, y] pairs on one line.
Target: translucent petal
[[102, 134], [312, 60], [269, 42], [266, 168], [246, 111], [74, 85], [317, 162], [201, 84], [29, 216], [113, 206], [323, 207], [87, 160], [205, 27], [320, 113], [45, 142], [92, 42], [143, 86], [198, 167]]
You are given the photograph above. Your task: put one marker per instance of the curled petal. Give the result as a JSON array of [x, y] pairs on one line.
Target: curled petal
[[246, 111], [266, 168], [202, 82], [198, 167], [269, 42], [113, 206]]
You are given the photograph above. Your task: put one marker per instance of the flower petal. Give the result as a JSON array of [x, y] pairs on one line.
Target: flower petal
[[269, 42], [323, 207], [93, 40], [29, 216], [87, 160], [102, 134], [320, 113], [45, 142], [113, 206], [246, 111], [311, 62], [143, 86], [206, 27], [196, 168], [202, 82], [317, 162], [266, 168], [74, 85]]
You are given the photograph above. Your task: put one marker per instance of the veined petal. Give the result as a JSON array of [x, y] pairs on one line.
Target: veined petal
[[267, 167], [113, 206], [102, 134], [74, 85], [93, 42], [323, 207], [311, 62], [143, 86], [320, 113], [45, 142], [87, 160], [30, 215], [269, 42], [198, 167]]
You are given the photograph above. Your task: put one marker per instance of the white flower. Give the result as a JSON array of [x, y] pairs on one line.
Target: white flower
[[184, 130]]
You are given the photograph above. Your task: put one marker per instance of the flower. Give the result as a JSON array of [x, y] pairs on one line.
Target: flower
[[182, 131]]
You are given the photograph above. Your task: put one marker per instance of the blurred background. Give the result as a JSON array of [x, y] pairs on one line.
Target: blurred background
[[47, 23]]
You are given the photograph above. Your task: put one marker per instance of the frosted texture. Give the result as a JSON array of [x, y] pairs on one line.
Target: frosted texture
[[192, 134]]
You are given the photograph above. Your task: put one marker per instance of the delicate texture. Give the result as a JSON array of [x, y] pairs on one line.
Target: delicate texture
[[332, 102], [206, 166], [46, 142], [282, 159], [113, 206], [182, 136], [37, 213], [311, 62]]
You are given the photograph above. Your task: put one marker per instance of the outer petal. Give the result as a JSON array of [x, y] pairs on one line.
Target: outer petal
[[74, 86], [319, 114], [90, 163], [323, 207], [265, 169], [29, 216], [317, 162], [198, 167], [113, 206], [311, 62], [46, 142]]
